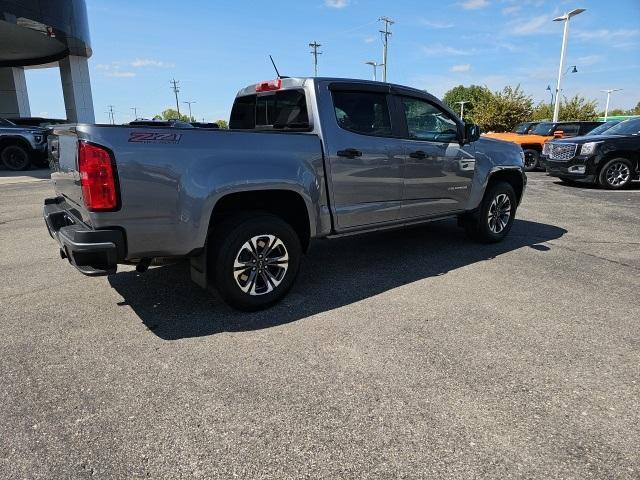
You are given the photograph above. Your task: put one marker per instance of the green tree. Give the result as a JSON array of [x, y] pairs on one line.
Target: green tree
[[576, 108], [503, 110], [172, 114], [222, 124], [474, 94]]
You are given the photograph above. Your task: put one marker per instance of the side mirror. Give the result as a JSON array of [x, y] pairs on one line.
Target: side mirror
[[471, 133], [558, 134]]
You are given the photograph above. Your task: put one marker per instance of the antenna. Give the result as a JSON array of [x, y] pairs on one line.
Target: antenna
[[274, 66]]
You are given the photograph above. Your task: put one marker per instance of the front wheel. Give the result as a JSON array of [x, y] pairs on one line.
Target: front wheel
[[255, 260], [15, 157], [616, 174], [494, 218], [531, 160]]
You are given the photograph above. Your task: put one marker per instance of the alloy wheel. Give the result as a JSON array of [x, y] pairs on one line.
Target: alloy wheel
[[617, 174], [261, 264], [499, 213]]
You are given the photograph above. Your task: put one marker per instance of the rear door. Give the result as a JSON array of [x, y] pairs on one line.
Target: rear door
[[438, 170], [364, 154]]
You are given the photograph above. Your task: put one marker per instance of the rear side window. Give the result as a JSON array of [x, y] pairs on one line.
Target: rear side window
[[569, 128], [363, 112], [285, 109]]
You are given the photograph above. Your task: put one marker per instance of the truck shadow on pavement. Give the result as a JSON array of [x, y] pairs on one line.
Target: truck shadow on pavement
[[333, 274]]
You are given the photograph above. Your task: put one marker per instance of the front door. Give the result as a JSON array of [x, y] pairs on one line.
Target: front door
[[438, 170], [365, 159]]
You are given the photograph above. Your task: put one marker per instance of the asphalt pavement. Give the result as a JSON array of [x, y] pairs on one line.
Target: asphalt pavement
[[405, 354]]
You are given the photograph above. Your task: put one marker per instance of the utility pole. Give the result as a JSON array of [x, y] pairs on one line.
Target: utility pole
[[462, 108], [315, 45], [385, 42], [135, 112], [175, 85], [565, 36], [189, 103], [112, 118], [609, 91]]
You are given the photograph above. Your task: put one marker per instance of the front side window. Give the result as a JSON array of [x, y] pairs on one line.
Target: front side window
[[363, 112], [427, 122], [628, 127], [544, 128]]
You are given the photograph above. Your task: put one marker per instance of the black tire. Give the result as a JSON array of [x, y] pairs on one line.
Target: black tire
[[480, 227], [228, 244], [15, 157], [531, 160], [616, 174]]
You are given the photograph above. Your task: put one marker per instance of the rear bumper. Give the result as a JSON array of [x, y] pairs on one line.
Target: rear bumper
[[92, 252]]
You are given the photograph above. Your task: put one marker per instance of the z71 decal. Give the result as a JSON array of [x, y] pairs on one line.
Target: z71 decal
[[150, 137]]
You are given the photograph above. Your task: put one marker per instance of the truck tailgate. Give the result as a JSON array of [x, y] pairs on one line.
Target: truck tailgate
[[63, 159]]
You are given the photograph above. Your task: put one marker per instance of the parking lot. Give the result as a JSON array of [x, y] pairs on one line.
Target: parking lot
[[406, 354]]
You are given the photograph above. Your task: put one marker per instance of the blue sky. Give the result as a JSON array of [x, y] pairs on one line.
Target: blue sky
[[216, 47]]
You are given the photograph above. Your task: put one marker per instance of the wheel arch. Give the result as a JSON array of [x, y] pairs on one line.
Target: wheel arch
[[514, 177], [287, 204], [6, 141], [633, 157]]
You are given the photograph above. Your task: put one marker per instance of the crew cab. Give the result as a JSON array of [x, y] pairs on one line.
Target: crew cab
[[533, 141], [21, 146], [304, 158], [610, 160]]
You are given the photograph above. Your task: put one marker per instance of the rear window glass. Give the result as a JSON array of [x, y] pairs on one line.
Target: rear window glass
[[285, 109], [362, 112]]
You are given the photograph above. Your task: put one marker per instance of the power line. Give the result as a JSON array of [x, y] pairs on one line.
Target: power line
[[385, 42], [175, 85], [315, 45]]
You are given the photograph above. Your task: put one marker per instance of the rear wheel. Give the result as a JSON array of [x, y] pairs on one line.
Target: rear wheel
[[15, 157], [494, 218], [531, 160], [616, 174], [255, 260]]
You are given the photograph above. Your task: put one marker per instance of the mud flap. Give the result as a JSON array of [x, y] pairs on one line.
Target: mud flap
[[199, 268]]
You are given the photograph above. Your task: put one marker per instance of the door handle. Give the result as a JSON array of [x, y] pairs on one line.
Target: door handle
[[418, 154], [349, 153]]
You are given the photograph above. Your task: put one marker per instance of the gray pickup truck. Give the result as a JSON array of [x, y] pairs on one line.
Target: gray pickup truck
[[304, 158], [21, 146]]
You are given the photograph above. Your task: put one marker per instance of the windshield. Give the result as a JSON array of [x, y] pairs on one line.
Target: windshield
[[521, 128], [628, 127], [601, 128], [4, 121], [544, 128]]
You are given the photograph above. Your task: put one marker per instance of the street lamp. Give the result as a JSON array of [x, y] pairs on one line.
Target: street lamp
[[375, 67], [564, 18], [462, 108], [551, 92], [609, 91], [189, 103]]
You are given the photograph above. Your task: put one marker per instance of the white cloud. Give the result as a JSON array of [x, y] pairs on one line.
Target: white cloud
[[369, 39], [474, 4], [511, 10], [433, 24], [150, 62], [439, 49], [336, 3], [119, 74], [460, 68], [530, 26], [588, 60], [605, 34]]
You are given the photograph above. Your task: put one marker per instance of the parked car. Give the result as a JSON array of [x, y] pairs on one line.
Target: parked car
[[20, 147], [603, 127], [610, 160], [304, 158], [142, 122], [524, 128], [205, 125], [38, 121], [532, 142]]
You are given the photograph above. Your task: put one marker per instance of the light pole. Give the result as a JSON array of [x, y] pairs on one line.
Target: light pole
[[609, 91], [375, 69], [189, 103], [551, 92], [564, 18], [462, 108]]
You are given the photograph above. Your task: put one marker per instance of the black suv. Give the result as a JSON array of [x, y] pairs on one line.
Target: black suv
[[611, 160]]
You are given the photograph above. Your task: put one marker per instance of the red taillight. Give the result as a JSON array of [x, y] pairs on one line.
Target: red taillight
[[269, 85], [97, 178]]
